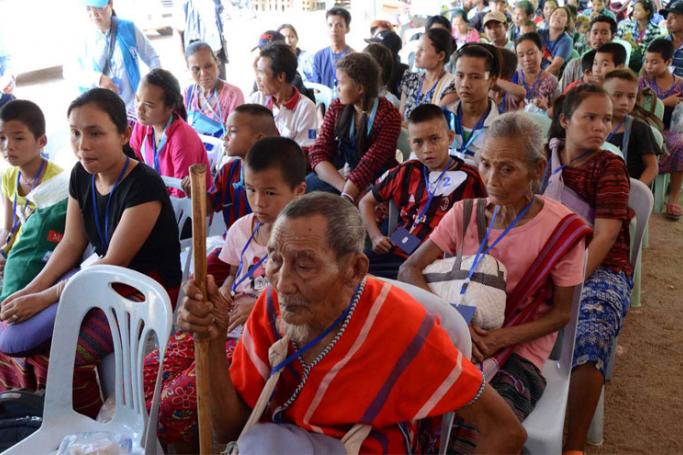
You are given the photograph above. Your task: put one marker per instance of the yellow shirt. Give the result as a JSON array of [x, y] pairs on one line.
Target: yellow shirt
[[9, 190]]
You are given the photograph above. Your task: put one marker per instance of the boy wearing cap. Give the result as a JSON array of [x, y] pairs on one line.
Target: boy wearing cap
[[674, 25], [95, 64], [325, 60], [496, 30]]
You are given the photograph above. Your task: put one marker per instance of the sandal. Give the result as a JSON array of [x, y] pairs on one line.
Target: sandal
[[673, 211]]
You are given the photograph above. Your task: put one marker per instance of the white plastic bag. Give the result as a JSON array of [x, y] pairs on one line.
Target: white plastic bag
[[99, 443]]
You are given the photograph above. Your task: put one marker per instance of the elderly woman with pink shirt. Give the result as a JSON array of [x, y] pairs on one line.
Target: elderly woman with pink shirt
[[540, 242], [208, 100]]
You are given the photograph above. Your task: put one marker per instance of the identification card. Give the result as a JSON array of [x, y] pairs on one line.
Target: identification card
[[403, 239], [89, 261], [466, 311]]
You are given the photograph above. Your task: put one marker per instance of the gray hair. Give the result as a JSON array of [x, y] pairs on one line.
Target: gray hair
[[520, 124], [345, 230], [197, 46]]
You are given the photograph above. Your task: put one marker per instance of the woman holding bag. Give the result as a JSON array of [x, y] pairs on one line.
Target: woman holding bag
[[540, 243]]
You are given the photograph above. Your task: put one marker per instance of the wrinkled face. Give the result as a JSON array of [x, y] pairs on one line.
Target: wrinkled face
[[290, 38], [472, 80], [548, 9], [655, 65], [674, 22], [430, 141], [504, 170], [151, 107], [496, 32], [95, 139], [266, 81], [602, 64], [348, 91], [337, 28], [623, 94], [18, 144], [305, 273], [559, 19], [519, 16], [590, 124], [100, 17], [239, 135], [427, 55], [204, 68], [529, 56], [268, 192], [600, 33]]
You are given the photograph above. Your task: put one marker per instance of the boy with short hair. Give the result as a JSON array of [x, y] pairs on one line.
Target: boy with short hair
[[22, 138], [608, 57], [586, 71], [325, 60], [274, 175], [246, 125], [423, 190]]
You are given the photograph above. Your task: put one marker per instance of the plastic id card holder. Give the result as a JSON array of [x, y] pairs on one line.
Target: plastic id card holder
[[404, 240], [466, 311]]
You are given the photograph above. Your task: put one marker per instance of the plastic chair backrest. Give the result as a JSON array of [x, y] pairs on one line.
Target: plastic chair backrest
[[640, 199], [542, 120], [214, 149], [627, 47], [131, 323], [658, 136], [323, 94], [403, 144]]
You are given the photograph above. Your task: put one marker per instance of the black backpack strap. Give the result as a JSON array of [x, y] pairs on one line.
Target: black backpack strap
[[481, 219]]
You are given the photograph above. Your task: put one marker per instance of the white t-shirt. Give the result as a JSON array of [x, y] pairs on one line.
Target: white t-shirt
[[295, 119], [252, 278]]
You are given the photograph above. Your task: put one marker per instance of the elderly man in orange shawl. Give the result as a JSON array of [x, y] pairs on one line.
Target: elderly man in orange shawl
[[332, 360]]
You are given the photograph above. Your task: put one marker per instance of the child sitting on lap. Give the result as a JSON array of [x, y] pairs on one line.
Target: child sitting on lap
[[274, 174], [423, 190]]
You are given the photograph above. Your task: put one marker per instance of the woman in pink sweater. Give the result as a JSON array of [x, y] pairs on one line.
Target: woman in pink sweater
[[162, 139]]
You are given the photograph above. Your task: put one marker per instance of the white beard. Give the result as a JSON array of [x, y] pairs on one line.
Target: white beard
[[296, 333]]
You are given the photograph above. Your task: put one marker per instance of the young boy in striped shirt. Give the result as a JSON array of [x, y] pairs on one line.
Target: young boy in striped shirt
[[422, 190]]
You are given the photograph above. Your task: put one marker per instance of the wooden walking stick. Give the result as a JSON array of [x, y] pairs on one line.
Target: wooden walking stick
[[201, 345]]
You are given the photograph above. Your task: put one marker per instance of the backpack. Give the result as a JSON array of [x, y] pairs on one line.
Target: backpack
[[21, 414]]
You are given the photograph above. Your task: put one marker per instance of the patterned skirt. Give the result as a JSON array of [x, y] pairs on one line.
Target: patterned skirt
[[605, 300], [674, 161], [178, 406]]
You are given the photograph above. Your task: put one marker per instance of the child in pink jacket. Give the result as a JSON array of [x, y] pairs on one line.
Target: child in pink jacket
[[161, 138]]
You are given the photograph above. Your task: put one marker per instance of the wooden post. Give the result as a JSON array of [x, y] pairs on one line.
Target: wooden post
[[201, 345]]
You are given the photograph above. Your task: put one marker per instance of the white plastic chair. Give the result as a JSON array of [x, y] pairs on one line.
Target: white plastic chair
[[545, 424], [323, 94], [131, 323], [403, 145], [542, 120], [455, 325], [641, 201], [214, 150]]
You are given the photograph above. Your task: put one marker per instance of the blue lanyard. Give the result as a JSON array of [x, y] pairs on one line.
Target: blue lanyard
[[481, 253], [430, 194], [530, 92], [36, 180], [371, 120], [317, 339], [475, 131], [157, 149], [616, 128], [103, 234], [250, 272], [430, 93]]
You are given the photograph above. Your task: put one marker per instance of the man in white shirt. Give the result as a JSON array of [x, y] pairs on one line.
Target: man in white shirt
[[294, 114]]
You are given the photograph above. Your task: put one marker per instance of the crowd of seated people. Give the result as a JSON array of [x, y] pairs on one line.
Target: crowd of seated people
[[320, 208]]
